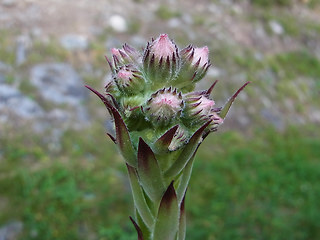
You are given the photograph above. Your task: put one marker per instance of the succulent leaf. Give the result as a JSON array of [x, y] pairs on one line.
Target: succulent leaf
[[225, 109], [139, 199], [149, 172], [140, 237], [184, 178], [182, 221], [186, 153], [112, 138], [166, 225], [122, 134], [163, 143]]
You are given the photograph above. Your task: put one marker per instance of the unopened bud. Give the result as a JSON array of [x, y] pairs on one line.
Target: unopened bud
[[216, 121], [201, 57], [198, 107], [162, 47], [178, 140], [129, 80], [161, 60], [125, 55], [195, 63], [164, 105]]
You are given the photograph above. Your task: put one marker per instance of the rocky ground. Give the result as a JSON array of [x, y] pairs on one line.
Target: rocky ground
[[50, 49]]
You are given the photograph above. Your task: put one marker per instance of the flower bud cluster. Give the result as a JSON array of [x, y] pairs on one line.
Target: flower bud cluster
[[160, 121], [154, 90]]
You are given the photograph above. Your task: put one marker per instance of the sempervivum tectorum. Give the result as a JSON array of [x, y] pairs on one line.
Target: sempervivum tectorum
[[161, 61], [164, 105], [160, 122], [129, 80]]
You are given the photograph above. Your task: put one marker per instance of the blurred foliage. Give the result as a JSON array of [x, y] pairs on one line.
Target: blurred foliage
[[264, 187], [283, 3], [164, 12], [272, 2]]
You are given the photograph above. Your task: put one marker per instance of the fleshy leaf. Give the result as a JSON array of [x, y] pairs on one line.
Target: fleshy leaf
[[122, 135], [182, 221], [139, 199], [185, 177], [146, 232], [186, 153], [149, 172], [162, 144], [226, 107], [166, 226], [140, 237], [208, 92], [112, 138]]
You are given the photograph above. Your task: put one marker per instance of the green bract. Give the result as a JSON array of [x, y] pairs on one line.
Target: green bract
[[160, 122]]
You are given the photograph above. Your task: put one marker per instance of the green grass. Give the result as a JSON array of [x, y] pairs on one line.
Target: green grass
[[260, 188], [270, 3], [7, 47], [165, 13]]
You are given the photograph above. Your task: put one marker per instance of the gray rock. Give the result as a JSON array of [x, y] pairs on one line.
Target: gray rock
[[276, 27], [74, 42], [8, 3], [2, 78], [112, 43], [315, 115], [174, 23], [58, 83], [23, 43], [187, 19], [5, 67], [11, 230], [118, 23], [14, 102]]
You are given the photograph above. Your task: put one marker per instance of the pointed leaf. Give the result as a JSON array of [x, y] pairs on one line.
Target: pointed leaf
[[162, 144], [226, 107], [139, 199], [182, 222], [211, 87], [110, 65], [146, 232], [140, 237], [112, 138], [186, 153], [167, 222], [122, 135], [123, 139], [185, 177], [149, 172]]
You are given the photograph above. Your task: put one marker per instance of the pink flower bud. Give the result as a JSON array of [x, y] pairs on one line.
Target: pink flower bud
[[129, 80], [124, 76], [125, 55], [164, 105], [178, 140], [198, 106], [201, 55], [195, 63], [216, 121], [162, 47], [161, 61]]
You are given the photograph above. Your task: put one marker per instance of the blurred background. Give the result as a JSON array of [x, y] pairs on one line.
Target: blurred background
[[256, 178]]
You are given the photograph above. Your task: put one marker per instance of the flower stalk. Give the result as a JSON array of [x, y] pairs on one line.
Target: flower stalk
[[160, 122]]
